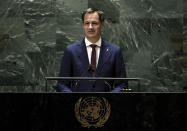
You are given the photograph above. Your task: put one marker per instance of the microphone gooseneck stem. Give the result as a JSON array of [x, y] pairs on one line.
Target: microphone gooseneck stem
[[89, 70], [110, 88]]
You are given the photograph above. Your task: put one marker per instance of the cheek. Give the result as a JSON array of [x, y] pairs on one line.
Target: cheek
[[99, 29], [84, 27]]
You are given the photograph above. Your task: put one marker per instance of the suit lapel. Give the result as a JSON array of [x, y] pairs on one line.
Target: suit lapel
[[82, 54], [102, 57]]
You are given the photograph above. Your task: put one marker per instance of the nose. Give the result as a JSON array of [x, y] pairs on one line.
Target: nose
[[90, 26]]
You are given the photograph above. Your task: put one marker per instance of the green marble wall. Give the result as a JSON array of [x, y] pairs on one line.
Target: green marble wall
[[152, 35]]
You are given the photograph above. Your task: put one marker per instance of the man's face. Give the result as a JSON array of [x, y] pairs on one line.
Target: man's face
[[92, 26]]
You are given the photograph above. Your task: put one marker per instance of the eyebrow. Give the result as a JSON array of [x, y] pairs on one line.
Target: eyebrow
[[92, 21]]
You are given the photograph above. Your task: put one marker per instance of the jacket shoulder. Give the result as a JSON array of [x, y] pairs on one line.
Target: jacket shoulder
[[73, 45], [111, 45]]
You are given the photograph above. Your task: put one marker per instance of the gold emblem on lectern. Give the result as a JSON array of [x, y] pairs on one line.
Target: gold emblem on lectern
[[92, 111]]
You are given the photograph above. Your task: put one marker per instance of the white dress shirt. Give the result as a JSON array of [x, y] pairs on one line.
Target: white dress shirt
[[89, 49]]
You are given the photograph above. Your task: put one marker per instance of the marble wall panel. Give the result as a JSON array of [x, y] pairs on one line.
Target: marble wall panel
[[151, 33]]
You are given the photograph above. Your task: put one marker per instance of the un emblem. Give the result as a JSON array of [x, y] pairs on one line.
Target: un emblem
[[92, 111]]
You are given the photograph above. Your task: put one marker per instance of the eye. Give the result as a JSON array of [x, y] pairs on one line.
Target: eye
[[86, 23], [95, 23]]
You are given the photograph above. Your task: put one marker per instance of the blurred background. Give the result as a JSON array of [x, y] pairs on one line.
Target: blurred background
[[151, 33]]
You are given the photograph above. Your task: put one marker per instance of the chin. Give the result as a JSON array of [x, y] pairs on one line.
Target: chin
[[91, 36]]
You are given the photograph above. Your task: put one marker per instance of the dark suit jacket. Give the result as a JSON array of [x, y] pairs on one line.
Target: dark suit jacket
[[75, 63]]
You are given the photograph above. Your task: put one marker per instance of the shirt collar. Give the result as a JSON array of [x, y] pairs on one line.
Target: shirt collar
[[98, 43]]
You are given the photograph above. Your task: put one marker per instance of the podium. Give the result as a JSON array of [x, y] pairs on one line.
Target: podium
[[93, 79]]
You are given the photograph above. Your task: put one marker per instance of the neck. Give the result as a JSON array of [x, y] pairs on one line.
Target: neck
[[93, 40]]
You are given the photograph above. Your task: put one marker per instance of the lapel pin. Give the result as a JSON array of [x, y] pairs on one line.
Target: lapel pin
[[107, 50]]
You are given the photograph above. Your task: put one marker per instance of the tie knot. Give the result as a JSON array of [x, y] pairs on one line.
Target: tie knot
[[93, 46]]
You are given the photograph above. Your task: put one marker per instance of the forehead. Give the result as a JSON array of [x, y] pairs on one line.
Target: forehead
[[91, 17]]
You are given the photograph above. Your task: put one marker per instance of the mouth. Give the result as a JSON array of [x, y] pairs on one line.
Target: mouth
[[91, 31]]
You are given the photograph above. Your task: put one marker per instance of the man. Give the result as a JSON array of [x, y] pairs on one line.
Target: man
[[92, 57]]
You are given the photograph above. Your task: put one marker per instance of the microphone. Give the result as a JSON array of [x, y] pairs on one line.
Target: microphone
[[89, 69]]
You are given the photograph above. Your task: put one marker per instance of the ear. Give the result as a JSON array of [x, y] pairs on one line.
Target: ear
[[102, 25]]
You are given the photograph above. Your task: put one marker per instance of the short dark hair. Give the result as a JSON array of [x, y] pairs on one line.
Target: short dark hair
[[92, 10]]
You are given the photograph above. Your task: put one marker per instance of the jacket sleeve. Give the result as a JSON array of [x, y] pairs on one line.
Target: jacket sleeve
[[65, 71], [120, 72]]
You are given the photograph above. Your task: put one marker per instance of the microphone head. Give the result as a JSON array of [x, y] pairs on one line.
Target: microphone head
[[90, 69]]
